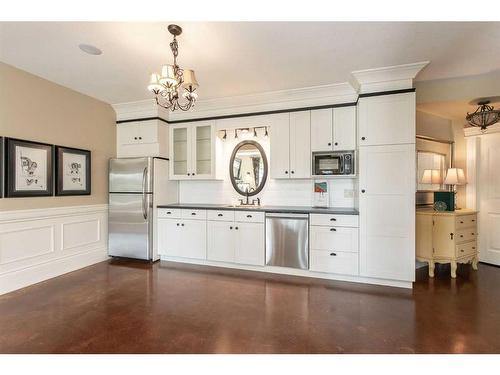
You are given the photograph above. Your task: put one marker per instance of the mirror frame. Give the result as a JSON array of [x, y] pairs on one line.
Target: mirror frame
[[231, 169]]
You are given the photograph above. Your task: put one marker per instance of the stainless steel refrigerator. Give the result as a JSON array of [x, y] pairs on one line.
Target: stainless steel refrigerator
[[136, 187]]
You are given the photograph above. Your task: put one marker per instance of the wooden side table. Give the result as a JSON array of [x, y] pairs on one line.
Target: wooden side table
[[446, 237]]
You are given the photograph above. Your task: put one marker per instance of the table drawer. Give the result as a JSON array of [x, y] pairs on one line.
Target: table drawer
[[466, 235], [249, 216], [334, 239], [220, 215], [194, 214], [334, 262], [336, 220], [467, 248], [465, 221], [173, 213]]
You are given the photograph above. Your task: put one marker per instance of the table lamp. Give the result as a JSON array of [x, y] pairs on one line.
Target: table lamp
[[454, 177], [431, 176]]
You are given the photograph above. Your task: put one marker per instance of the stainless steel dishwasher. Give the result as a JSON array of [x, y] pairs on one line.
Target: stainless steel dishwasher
[[287, 240]]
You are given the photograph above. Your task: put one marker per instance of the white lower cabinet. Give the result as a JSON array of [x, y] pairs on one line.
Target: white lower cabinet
[[182, 238], [250, 244], [334, 244], [220, 241]]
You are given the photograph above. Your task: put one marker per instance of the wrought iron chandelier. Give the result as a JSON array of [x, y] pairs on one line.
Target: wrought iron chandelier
[[174, 82], [484, 116]]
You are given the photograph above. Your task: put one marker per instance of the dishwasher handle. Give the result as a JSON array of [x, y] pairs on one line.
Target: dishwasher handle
[[287, 216]]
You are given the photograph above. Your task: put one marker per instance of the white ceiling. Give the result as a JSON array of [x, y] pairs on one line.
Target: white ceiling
[[242, 58]]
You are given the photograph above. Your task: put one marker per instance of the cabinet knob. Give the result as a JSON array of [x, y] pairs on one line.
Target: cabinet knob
[[363, 190], [189, 174], [363, 138], [178, 224], [140, 137], [336, 143], [286, 172], [333, 230], [473, 248], [461, 250], [182, 224], [230, 227], [192, 174], [329, 143], [135, 138], [236, 228], [293, 172], [333, 254]]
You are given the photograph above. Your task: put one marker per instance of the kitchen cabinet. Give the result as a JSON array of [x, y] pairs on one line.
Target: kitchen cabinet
[[182, 238], [250, 244], [192, 151], [221, 241], [142, 138], [290, 145], [387, 211], [333, 129], [386, 119]]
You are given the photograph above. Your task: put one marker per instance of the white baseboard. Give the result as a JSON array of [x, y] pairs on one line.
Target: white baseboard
[[36, 245]]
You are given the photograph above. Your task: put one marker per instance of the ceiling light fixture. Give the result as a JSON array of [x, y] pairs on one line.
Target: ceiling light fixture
[[90, 49], [174, 82], [484, 116]]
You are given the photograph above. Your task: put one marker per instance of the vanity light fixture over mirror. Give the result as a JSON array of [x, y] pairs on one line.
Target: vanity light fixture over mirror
[[256, 132], [248, 168]]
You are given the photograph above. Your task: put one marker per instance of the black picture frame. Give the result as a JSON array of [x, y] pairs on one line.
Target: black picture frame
[[11, 172], [2, 167], [59, 152]]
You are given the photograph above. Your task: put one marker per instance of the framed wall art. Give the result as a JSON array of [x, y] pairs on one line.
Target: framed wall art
[[2, 168], [73, 171], [28, 168]]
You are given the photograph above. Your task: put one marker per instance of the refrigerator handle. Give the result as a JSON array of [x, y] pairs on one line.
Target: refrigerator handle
[[144, 208]]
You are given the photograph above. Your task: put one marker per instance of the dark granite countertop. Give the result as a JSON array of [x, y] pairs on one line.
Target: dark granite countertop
[[280, 209]]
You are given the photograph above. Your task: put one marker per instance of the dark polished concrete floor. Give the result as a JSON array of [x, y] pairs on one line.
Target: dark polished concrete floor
[[125, 307]]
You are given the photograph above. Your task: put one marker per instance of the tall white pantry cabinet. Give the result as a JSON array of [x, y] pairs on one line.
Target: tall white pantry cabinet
[[386, 138]]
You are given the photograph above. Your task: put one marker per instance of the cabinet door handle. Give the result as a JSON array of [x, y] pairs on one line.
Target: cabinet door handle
[[333, 230], [462, 236], [461, 250], [333, 254], [461, 222], [451, 236], [220, 215], [333, 219], [473, 220], [168, 212], [473, 248], [472, 233], [193, 213], [249, 216]]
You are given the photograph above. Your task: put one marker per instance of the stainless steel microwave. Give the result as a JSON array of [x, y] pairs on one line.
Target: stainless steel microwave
[[333, 163]]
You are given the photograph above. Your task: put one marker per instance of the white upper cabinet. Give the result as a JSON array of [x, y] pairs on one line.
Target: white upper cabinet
[[141, 138], [344, 128], [386, 119], [290, 145], [321, 130], [333, 129], [192, 151], [279, 134]]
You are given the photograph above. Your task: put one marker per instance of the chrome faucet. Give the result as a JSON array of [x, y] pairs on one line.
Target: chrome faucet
[[247, 202]]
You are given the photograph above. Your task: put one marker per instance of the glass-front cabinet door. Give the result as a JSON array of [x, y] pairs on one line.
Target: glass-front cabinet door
[[192, 150], [180, 151], [203, 150]]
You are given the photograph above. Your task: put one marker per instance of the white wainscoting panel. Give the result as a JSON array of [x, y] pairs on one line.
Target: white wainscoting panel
[[36, 245]]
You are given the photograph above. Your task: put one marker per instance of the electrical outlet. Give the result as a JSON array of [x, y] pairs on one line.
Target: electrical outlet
[[348, 193]]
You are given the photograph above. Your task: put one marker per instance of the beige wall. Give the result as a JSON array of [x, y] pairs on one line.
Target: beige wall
[[35, 109]]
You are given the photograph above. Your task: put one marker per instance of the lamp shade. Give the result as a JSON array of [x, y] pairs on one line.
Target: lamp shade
[[154, 84], [455, 176], [168, 75], [189, 79], [432, 176]]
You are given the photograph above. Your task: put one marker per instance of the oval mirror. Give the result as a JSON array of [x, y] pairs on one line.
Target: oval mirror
[[248, 168]]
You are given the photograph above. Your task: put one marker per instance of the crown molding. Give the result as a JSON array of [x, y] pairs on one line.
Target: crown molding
[[270, 101], [398, 77], [139, 109], [474, 130]]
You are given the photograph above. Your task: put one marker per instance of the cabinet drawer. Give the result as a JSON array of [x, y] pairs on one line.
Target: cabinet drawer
[[334, 262], [222, 215], [336, 220], [249, 216], [466, 235], [465, 221], [173, 213], [467, 248], [334, 239], [194, 214]]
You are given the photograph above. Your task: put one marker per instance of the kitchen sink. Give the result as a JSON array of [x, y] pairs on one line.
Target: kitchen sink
[[243, 206]]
